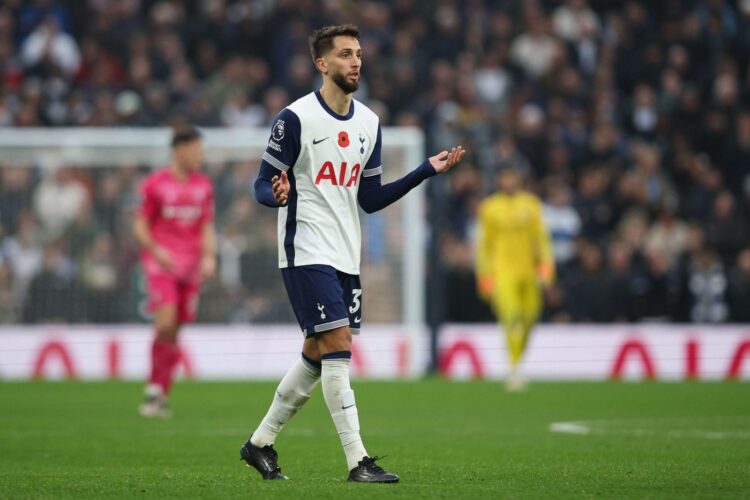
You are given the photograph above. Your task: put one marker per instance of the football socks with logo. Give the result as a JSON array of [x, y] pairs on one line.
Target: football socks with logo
[[340, 401], [293, 392]]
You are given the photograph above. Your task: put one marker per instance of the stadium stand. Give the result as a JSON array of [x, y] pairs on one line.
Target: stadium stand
[[630, 118]]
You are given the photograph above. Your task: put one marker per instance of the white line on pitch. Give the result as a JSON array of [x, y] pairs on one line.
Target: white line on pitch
[[601, 427]]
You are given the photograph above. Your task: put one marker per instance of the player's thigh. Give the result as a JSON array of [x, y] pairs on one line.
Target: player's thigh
[[163, 299], [166, 323], [531, 300], [351, 287], [188, 294], [317, 298], [507, 300]]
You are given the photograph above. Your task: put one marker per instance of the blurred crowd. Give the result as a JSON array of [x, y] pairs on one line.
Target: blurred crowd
[[630, 119]]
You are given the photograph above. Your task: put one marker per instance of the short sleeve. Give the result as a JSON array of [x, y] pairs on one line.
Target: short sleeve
[[373, 165], [284, 144], [148, 205]]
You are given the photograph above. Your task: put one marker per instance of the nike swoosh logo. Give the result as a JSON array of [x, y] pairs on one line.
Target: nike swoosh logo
[[319, 141], [357, 320], [345, 407]]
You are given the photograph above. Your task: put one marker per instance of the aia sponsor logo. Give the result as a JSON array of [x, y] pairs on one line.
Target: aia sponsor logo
[[344, 176]]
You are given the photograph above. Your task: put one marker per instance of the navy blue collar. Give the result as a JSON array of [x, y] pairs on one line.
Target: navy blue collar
[[332, 112]]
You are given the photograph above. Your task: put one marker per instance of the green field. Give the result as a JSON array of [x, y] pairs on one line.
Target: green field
[[446, 440]]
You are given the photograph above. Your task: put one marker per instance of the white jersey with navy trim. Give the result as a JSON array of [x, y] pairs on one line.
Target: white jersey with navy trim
[[325, 155]]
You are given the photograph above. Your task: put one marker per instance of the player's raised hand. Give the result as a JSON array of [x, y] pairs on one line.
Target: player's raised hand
[[446, 160], [281, 188]]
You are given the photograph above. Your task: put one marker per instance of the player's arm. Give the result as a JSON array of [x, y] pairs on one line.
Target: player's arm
[[142, 230], [543, 244], [272, 184], [484, 272], [208, 240], [208, 251], [374, 196]]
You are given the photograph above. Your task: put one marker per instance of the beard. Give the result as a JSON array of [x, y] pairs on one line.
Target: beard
[[345, 85]]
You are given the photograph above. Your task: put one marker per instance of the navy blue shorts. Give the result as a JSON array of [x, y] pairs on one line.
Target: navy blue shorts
[[323, 298]]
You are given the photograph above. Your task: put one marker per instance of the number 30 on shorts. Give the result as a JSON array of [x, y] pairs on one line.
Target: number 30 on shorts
[[356, 304]]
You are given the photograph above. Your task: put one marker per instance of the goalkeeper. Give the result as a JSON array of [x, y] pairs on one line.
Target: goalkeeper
[[514, 261]]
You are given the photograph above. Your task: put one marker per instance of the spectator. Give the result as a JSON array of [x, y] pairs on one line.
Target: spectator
[[574, 18], [624, 270], [657, 293], [593, 288], [49, 51], [706, 288], [726, 227], [738, 293], [54, 294], [637, 108], [562, 221], [8, 299], [100, 281], [535, 50], [667, 235], [23, 253], [58, 200], [595, 204]]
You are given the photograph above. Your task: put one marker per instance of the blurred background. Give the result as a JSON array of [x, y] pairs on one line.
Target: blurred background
[[630, 119]]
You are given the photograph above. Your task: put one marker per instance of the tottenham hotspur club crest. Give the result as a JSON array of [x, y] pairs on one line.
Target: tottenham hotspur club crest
[[278, 130], [361, 144], [322, 308]]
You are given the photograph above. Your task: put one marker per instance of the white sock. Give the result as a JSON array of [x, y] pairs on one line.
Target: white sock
[[294, 390], [340, 400], [154, 391]]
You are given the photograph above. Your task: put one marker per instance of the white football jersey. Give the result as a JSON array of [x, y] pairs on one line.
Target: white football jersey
[[325, 155]]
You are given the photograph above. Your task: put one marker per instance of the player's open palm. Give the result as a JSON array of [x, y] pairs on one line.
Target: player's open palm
[[446, 160], [281, 188]]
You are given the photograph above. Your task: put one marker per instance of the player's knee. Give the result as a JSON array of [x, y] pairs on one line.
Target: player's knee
[[336, 340], [310, 349], [166, 327]]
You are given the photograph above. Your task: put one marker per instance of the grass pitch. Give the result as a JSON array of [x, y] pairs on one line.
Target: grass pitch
[[446, 440]]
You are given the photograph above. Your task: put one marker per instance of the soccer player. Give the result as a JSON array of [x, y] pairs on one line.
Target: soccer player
[[322, 160], [174, 227], [514, 260]]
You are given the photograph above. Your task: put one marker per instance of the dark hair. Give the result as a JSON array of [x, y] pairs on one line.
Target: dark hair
[[185, 134], [321, 40]]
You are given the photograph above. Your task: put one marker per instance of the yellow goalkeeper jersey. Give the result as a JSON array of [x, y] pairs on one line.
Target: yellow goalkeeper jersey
[[513, 241]]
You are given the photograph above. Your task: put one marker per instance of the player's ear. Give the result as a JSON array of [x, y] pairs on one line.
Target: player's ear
[[321, 65]]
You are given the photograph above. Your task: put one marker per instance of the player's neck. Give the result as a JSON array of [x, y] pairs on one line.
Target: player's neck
[[179, 172], [335, 98]]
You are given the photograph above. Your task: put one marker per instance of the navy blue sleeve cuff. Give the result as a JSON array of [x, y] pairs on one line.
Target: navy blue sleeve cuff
[[373, 196], [263, 187]]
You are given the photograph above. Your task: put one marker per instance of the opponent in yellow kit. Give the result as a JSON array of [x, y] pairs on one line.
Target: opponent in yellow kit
[[514, 260]]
